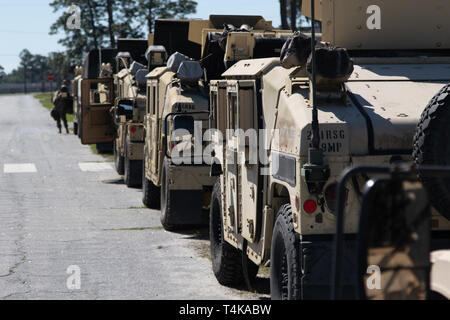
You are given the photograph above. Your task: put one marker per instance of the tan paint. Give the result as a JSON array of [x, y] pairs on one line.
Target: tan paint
[[394, 96], [195, 30], [165, 94], [96, 101], [405, 24], [127, 89]]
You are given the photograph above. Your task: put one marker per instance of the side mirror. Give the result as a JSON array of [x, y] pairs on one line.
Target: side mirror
[[125, 108]]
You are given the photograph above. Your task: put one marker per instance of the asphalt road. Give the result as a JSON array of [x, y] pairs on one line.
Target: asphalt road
[[55, 215]]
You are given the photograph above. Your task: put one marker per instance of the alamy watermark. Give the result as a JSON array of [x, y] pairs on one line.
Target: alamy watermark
[[73, 282], [373, 282], [374, 20], [243, 147], [74, 20]]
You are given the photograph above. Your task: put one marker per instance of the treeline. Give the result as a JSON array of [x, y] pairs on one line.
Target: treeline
[[102, 22], [36, 67]]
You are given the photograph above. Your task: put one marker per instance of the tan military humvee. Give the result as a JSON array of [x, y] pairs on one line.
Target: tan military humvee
[[129, 106], [281, 209], [180, 188]]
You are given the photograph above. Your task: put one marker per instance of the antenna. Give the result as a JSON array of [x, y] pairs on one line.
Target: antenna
[[315, 121], [315, 173]]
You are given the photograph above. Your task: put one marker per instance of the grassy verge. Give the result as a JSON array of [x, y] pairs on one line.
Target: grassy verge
[[46, 100], [107, 156]]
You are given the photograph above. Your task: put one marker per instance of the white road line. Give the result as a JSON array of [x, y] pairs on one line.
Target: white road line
[[94, 166], [19, 168]]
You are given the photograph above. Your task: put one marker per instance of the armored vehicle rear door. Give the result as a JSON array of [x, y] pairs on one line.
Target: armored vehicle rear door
[[242, 163], [96, 121], [153, 123]]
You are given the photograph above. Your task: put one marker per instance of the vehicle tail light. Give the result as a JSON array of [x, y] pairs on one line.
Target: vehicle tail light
[[309, 206]]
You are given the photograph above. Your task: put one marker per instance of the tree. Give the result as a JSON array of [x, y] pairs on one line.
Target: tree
[[283, 14], [103, 21], [36, 67], [109, 7], [293, 9], [78, 41], [93, 22], [149, 10], [2, 72], [290, 13], [59, 65]]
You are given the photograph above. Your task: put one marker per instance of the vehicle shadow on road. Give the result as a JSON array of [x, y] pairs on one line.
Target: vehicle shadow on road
[[201, 233], [260, 286], [114, 181]]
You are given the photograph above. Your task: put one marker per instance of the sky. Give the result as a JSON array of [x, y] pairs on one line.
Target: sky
[[26, 23]]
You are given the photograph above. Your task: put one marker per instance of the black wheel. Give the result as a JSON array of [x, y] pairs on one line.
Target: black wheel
[[165, 200], [226, 260], [150, 192], [104, 147], [133, 169], [432, 147], [75, 128], [79, 131], [118, 159], [285, 271]]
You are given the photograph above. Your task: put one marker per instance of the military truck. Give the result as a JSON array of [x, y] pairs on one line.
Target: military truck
[[177, 97], [221, 40], [95, 96], [134, 60], [318, 119]]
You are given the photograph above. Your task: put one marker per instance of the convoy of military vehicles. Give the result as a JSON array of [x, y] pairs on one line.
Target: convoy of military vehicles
[[233, 124]]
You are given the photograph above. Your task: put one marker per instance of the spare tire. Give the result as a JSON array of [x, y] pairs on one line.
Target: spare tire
[[432, 147]]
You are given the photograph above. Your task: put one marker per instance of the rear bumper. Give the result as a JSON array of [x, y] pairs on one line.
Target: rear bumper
[[190, 193]]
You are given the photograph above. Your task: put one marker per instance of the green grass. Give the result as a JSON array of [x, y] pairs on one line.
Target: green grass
[[46, 100], [107, 156]]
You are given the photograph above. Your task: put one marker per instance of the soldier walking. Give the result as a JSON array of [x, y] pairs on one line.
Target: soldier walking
[[62, 102]]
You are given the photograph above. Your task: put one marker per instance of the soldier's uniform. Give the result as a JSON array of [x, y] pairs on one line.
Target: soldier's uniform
[[62, 101]]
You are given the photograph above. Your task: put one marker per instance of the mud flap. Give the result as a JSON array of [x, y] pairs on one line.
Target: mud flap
[[186, 208], [317, 258]]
